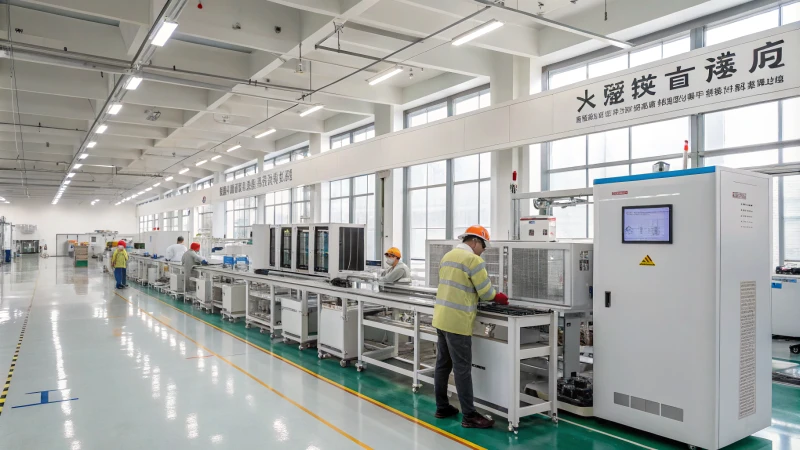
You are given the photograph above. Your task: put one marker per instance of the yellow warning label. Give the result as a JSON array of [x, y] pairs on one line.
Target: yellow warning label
[[647, 261]]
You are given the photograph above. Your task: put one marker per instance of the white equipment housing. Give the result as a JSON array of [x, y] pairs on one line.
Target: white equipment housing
[[176, 282], [682, 337], [156, 242], [338, 330], [556, 273], [337, 249], [298, 325], [264, 252], [537, 228], [233, 298], [786, 305]]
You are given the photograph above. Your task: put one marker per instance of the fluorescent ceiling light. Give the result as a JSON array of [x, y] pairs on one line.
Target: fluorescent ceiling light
[[164, 32], [97, 199], [91, 144], [157, 185], [102, 129], [183, 171], [133, 83], [200, 163], [140, 193], [168, 179], [266, 133], [114, 108], [313, 109], [67, 182], [70, 175], [478, 31], [214, 158], [83, 156], [148, 189], [77, 166], [385, 75], [128, 198], [235, 147], [134, 195]]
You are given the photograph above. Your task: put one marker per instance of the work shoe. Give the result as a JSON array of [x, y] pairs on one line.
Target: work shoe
[[476, 421], [448, 411]]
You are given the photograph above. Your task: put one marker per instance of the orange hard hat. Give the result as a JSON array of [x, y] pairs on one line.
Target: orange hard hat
[[477, 231], [394, 251]]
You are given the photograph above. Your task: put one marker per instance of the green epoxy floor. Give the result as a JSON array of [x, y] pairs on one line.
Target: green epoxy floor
[[572, 432]]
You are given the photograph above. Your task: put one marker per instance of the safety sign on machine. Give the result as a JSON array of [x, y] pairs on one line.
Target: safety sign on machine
[[647, 261]]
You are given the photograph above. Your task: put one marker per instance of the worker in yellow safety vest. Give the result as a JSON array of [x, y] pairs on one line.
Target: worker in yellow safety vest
[[463, 282]]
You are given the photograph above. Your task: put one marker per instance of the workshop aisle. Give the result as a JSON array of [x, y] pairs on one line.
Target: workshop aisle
[[100, 369]]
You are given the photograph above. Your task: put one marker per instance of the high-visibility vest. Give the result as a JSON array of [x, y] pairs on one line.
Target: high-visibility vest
[[119, 260], [463, 280]]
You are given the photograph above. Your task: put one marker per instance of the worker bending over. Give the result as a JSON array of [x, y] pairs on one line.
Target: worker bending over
[[175, 251], [188, 261], [463, 282], [119, 262], [398, 271]]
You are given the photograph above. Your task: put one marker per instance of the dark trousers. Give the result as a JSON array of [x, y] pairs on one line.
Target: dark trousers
[[120, 274], [454, 353]]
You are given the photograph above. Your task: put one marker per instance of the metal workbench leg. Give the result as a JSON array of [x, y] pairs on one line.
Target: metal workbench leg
[[273, 322], [513, 385], [415, 384], [552, 379], [360, 363]]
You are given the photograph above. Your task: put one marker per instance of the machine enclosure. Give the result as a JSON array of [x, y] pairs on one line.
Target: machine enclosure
[[233, 298], [537, 228], [682, 338], [786, 305]]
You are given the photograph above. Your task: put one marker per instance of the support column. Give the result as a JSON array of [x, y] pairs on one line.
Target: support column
[[317, 143], [388, 119], [218, 211]]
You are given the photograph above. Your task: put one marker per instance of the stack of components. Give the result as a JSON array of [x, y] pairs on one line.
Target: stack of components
[[576, 391]]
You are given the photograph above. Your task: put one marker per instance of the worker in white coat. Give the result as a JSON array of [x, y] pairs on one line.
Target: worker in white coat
[[396, 271], [175, 251]]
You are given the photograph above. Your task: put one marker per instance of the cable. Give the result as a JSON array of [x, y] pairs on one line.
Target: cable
[[20, 145]]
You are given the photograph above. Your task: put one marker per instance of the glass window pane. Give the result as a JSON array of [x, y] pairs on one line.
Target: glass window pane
[[660, 138], [791, 116], [437, 207], [418, 238], [371, 184], [371, 133], [573, 179], [607, 172], [607, 66], [360, 185], [437, 172], [360, 210], [467, 103], [609, 146], [486, 98], [269, 164], [419, 204], [791, 154], [647, 167], [742, 160], [791, 213], [566, 77], [466, 206], [645, 56], [750, 25], [485, 204], [676, 47], [466, 168], [755, 124], [568, 152], [417, 118], [791, 13], [418, 175], [437, 112], [570, 222], [486, 165]]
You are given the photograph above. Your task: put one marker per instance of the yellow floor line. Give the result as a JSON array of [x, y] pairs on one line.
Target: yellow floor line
[[254, 378], [7, 385], [421, 423]]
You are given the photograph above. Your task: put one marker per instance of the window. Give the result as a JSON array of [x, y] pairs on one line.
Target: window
[[148, 223], [172, 221], [584, 71], [743, 27], [471, 192], [460, 103], [472, 101], [204, 184], [204, 220], [301, 204], [353, 136], [183, 190], [286, 158], [338, 195], [790, 13], [299, 154], [186, 217], [283, 159], [241, 173], [278, 208], [240, 217], [364, 209]]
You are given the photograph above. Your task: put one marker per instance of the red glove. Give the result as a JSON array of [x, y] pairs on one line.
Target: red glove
[[500, 298]]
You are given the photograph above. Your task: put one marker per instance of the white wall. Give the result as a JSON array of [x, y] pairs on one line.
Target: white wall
[[68, 218]]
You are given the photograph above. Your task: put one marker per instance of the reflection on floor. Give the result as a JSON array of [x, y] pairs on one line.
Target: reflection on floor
[[148, 372]]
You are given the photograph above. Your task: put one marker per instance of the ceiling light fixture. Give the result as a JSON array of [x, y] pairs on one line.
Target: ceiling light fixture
[[168, 179], [140, 193], [148, 189], [134, 195], [478, 31], [114, 108], [102, 129], [311, 110], [385, 75], [200, 163], [157, 185], [77, 166], [266, 133], [214, 158], [133, 83], [183, 171], [91, 144], [164, 32], [67, 182], [83, 156], [235, 147], [70, 175]]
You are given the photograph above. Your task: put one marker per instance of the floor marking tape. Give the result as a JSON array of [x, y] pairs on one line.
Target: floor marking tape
[[13, 366], [561, 419], [423, 424], [254, 378]]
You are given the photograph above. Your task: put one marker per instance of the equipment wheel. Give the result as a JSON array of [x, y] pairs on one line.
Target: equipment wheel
[[248, 325], [344, 363], [360, 368], [302, 347], [555, 418], [415, 389], [795, 349]]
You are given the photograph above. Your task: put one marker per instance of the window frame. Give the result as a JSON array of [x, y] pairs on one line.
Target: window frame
[[230, 214], [449, 101], [351, 135]]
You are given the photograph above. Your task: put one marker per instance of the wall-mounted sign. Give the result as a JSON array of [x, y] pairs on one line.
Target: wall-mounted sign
[[257, 182]]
